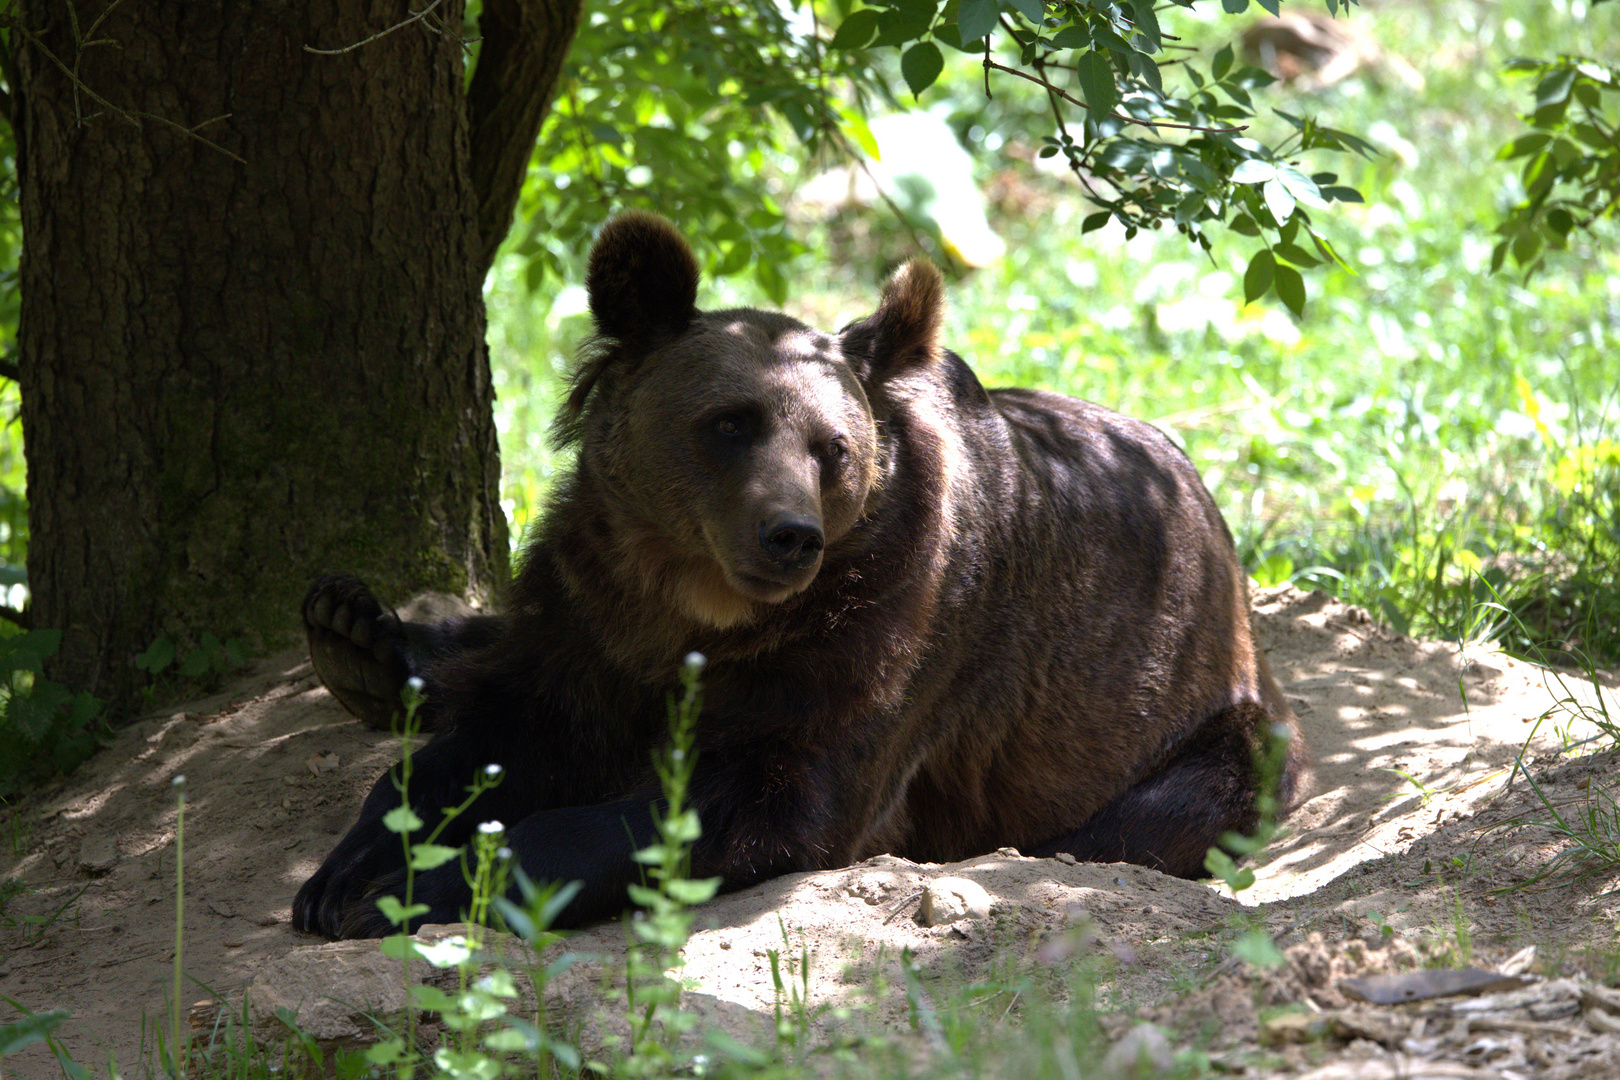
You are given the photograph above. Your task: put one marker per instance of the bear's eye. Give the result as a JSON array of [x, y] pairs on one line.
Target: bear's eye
[[729, 426], [834, 452]]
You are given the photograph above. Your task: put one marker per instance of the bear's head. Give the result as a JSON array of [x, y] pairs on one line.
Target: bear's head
[[730, 451]]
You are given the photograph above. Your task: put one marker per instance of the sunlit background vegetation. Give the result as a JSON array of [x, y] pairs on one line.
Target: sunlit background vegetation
[[1428, 436]]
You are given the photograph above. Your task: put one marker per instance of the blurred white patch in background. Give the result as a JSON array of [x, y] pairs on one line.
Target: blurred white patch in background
[[926, 174]]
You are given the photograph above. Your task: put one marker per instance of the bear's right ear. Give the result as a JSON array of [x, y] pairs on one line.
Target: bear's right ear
[[904, 331], [642, 280]]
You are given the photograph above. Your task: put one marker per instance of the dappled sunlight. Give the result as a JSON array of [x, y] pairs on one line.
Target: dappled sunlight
[[1397, 750]]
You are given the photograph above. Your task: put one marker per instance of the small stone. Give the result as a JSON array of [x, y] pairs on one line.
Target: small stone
[[1143, 1051], [950, 898], [1287, 1028], [1065, 858], [98, 854], [1520, 962]]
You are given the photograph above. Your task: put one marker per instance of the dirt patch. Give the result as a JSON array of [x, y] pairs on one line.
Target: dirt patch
[[275, 771]]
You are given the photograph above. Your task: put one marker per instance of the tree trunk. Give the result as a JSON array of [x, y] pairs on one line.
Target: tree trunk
[[252, 351]]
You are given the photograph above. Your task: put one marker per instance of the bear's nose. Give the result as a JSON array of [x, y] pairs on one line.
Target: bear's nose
[[792, 542]]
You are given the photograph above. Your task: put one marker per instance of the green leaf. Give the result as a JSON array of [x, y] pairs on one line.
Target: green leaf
[[856, 31], [899, 25], [1554, 89], [691, 892], [401, 819], [769, 276], [1526, 246], [1257, 278], [158, 655], [643, 895], [1097, 83], [34, 714], [28, 650], [432, 998], [1244, 225], [517, 920], [1290, 288], [1258, 950], [398, 914], [1223, 57], [1234, 7], [1524, 144], [1297, 255], [1253, 171], [683, 828], [1094, 221], [1278, 200], [975, 19], [1147, 23], [1033, 10], [428, 856], [856, 128], [194, 665], [33, 1028], [740, 255], [921, 65], [1300, 186]]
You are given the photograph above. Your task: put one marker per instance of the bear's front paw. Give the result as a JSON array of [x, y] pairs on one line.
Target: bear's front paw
[[443, 890], [337, 906], [357, 647]]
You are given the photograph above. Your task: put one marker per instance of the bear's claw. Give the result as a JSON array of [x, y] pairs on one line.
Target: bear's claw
[[357, 647]]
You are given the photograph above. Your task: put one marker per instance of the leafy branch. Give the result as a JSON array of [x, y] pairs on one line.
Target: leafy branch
[[1571, 155], [1148, 157]]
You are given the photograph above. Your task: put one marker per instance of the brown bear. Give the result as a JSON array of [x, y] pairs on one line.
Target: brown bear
[[938, 620]]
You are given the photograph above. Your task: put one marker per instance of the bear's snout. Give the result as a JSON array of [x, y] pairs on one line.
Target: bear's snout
[[792, 542]]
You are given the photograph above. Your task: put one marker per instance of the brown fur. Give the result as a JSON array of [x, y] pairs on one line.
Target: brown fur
[[939, 620]]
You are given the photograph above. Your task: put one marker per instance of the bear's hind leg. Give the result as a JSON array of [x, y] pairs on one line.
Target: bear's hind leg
[[1171, 819], [358, 648]]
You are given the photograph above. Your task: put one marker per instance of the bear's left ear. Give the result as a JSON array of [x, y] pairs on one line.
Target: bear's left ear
[[904, 332], [642, 280]]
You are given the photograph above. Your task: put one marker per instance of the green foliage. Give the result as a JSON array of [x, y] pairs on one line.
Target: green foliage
[[174, 1059], [208, 660], [34, 1028], [1571, 171], [1147, 156], [661, 928], [474, 1006], [1269, 759], [685, 108], [44, 727]]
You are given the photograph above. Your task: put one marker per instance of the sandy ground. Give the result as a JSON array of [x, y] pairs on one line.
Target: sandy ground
[[275, 770]]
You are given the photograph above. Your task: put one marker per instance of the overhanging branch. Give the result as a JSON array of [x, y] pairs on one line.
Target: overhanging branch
[[524, 45]]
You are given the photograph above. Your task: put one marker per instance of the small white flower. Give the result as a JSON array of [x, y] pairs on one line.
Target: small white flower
[[492, 771], [696, 659], [503, 853], [415, 683], [178, 781], [491, 828]]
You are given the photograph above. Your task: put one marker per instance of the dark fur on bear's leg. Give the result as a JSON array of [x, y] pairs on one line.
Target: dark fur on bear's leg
[[1170, 820], [358, 648]]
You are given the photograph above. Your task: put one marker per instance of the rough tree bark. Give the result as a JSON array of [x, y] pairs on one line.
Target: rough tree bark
[[254, 350]]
